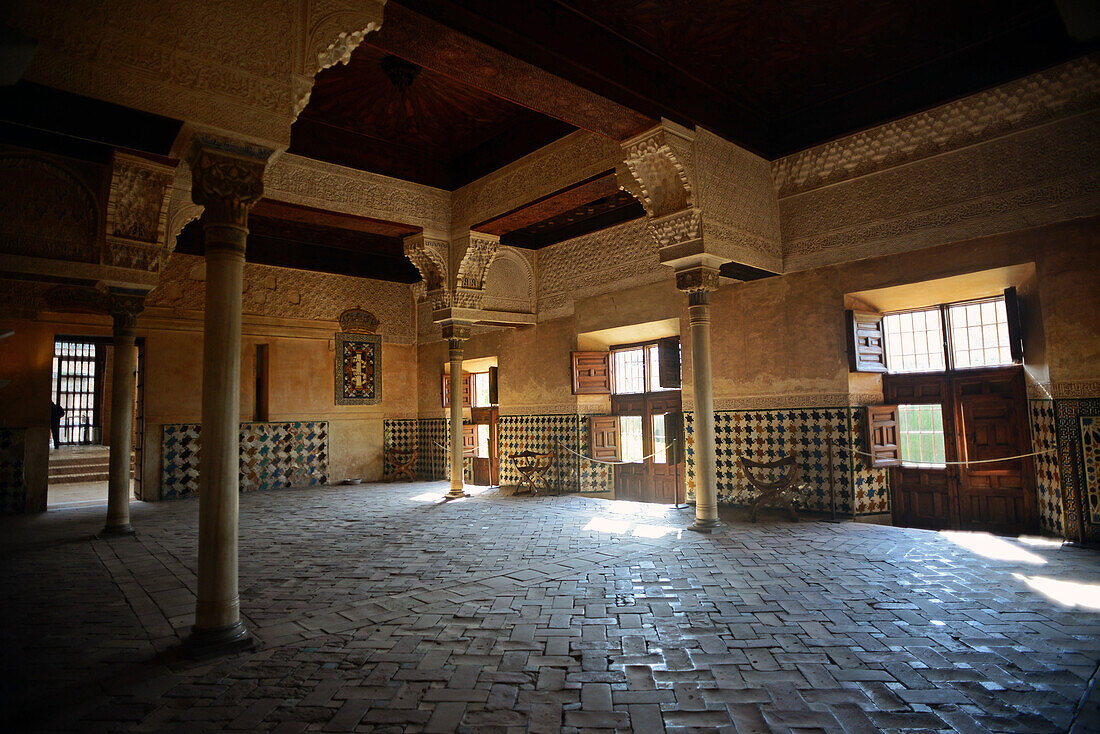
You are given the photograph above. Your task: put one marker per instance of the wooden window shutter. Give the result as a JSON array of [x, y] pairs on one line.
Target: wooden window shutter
[[591, 373], [866, 342], [674, 434], [603, 438], [668, 362], [467, 390], [493, 390], [882, 435], [469, 440], [446, 391], [1015, 324]]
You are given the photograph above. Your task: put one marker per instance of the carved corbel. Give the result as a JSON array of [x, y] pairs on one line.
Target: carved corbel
[[137, 212], [430, 258], [332, 31]]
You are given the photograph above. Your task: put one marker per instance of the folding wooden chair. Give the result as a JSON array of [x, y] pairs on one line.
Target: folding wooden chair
[[781, 488]]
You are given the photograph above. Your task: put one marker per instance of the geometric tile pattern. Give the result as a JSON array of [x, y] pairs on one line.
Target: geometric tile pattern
[[1079, 522], [434, 438], [13, 485], [1048, 478], [272, 456], [180, 461], [541, 433], [400, 434], [766, 435], [1090, 459], [280, 455]]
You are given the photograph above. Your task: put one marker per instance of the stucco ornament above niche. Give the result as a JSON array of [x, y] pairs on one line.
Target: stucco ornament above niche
[[358, 359]]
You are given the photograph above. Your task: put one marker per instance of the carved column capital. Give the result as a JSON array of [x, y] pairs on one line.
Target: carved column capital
[[698, 280], [124, 309], [226, 178], [456, 332]]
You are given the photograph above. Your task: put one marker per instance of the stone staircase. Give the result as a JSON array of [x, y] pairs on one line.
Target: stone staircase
[[69, 465]]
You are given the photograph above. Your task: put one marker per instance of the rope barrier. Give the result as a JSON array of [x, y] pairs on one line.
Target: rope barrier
[[615, 463], [958, 463]]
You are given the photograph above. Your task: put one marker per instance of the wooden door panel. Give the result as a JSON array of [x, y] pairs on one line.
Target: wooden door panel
[[990, 410], [481, 472], [921, 498]]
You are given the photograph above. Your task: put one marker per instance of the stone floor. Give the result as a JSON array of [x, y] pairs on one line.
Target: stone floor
[[67, 495], [378, 608]]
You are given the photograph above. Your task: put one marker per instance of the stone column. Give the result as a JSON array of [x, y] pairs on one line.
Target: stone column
[[698, 282], [124, 311], [227, 179], [456, 334]]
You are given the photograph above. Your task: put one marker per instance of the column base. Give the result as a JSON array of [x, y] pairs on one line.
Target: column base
[[204, 644], [705, 526], [115, 531], [456, 493]]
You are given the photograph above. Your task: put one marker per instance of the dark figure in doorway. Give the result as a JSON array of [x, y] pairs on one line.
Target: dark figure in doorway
[[56, 413]]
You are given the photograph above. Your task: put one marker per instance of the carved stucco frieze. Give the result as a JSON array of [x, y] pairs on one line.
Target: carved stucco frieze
[[1051, 94], [284, 293], [297, 180], [224, 64], [682, 226]]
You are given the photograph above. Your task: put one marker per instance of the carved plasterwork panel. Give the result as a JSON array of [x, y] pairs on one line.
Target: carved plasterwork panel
[[290, 294], [21, 298], [430, 257], [223, 63], [740, 210], [1033, 177], [333, 29], [510, 282], [137, 212], [1050, 94], [478, 256], [602, 262], [308, 182], [47, 209]]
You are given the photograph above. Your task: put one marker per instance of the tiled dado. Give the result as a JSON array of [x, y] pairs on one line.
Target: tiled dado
[[1076, 422], [13, 485], [273, 456], [541, 433], [765, 435], [1048, 476], [431, 438]]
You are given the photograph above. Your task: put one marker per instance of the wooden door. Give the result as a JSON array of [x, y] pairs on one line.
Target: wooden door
[[664, 471], [984, 417], [923, 497], [486, 469], [657, 478], [990, 411]]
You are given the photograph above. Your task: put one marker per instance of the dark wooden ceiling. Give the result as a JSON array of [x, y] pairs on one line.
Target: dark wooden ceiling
[[293, 236], [585, 207], [438, 131], [772, 75]]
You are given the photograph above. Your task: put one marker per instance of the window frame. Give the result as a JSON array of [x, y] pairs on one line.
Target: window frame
[[948, 345], [650, 367]]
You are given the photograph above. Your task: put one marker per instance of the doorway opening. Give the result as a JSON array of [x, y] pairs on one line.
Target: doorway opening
[[80, 398]]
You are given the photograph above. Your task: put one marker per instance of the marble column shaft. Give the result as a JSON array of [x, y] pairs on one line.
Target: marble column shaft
[[706, 480], [457, 489], [122, 425], [227, 180]]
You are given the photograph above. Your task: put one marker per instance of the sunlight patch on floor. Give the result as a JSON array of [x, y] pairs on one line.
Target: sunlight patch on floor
[[622, 527], [990, 546], [1066, 593]]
